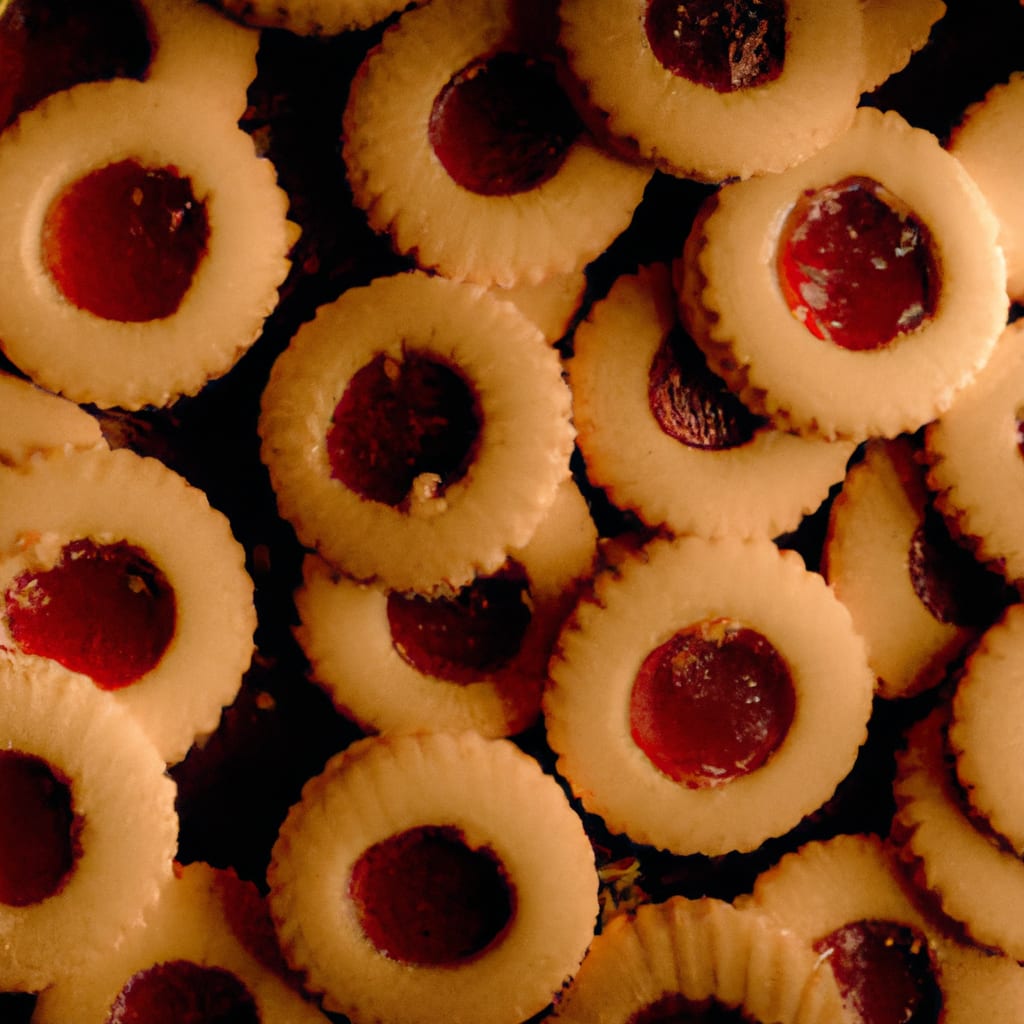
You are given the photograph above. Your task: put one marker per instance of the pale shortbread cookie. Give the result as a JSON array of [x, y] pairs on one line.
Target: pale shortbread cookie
[[687, 956], [206, 918], [495, 798], [762, 487], [441, 536], [156, 124], [640, 605], [123, 805], [552, 304], [735, 309], [113, 496], [894, 30], [345, 633]]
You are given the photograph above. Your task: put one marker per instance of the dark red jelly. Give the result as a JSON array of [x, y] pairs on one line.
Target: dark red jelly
[[724, 45], [183, 992], [675, 1008], [693, 404], [503, 124], [884, 972], [462, 638], [50, 45], [425, 897], [951, 583], [103, 609], [40, 829], [856, 266], [397, 420], [124, 241], [712, 703]]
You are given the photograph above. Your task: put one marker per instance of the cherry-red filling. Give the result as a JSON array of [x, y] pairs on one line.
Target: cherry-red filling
[[183, 992], [425, 897], [461, 638], [712, 703], [124, 241], [884, 972], [503, 124], [103, 609], [950, 582], [47, 47], [856, 266], [675, 1008], [691, 403], [398, 420], [724, 45], [40, 830]]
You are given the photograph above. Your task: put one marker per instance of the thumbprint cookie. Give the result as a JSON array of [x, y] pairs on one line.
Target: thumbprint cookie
[[854, 294]]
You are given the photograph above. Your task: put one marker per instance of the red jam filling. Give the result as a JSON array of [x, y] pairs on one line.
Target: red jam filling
[[712, 703], [691, 403], [398, 420], [950, 582], [40, 830], [424, 897], [723, 45], [884, 972], [124, 241], [855, 266], [462, 638], [47, 47], [182, 992], [675, 1008], [103, 610], [503, 125]]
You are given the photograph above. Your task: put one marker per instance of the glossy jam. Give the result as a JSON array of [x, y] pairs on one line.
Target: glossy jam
[[856, 266], [693, 404], [465, 637], [425, 898], [503, 125], [712, 703], [724, 45], [884, 972], [398, 420], [39, 828], [103, 609], [183, 992], [674, 1008], [124, 241], [951, 583], [50, 45]]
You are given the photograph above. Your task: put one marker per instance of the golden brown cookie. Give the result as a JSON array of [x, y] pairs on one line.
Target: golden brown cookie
[[894, 30]]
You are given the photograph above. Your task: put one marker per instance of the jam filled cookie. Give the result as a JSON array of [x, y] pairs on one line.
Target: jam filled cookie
[[35, 420], [146, 245], [416, 431], [740, 88], [976, 462], [974, 879], [462, 146], [849, 901], [113, 565], [918, 597], [476, 660], [989, 142], [854, 294], [202, 955], [709, 696], [697, 960], [666, 438], [434, 877], [984, 730], [89, 822]]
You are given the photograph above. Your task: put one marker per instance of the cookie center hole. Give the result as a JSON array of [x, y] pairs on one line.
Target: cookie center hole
[[712, 703], [124, 241], [101, 609], [425, 897], [855, 265], [503, 124]]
